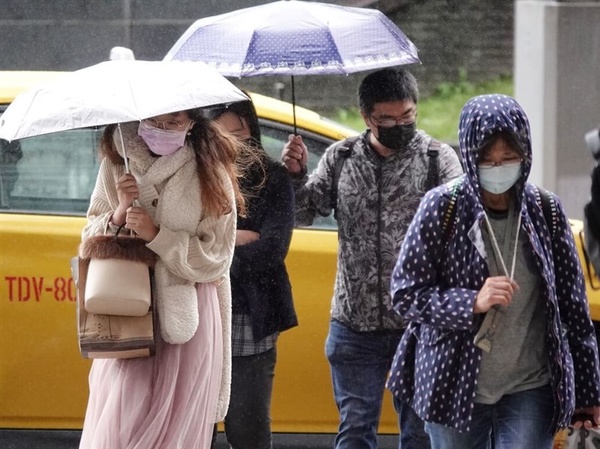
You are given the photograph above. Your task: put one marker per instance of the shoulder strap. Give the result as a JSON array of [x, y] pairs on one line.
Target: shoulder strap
[[548, 208], [449, 219], [433, 151], [343, 152]]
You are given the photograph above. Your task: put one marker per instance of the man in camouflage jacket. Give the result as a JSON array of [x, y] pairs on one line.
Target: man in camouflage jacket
[[375, 191]]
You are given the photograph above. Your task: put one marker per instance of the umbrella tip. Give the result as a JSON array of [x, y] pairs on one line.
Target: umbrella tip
[[121, 54]]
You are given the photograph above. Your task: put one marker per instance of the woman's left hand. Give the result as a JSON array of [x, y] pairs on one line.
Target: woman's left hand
[[592, 412], [138, 220], [243, 237]]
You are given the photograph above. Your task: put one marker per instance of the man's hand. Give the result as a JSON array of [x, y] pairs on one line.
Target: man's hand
[[294, 154]]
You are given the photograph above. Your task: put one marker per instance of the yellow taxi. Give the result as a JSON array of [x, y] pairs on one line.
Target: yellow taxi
[[45, 185]]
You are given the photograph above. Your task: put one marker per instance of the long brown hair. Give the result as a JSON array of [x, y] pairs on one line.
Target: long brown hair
[[215, 151]]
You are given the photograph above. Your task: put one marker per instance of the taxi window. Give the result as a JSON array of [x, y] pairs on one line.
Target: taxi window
[[275, 135], [50, 174], [56, 173]]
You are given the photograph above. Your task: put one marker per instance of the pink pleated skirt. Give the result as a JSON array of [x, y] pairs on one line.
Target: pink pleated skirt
[[163, 402]]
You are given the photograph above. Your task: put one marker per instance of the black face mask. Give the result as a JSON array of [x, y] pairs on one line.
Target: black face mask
[[398, 136]]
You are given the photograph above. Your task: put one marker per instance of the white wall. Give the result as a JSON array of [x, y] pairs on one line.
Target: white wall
[[557, 81]]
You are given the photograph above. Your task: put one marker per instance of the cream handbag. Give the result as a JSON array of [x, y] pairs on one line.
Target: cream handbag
[[111, 336], [118, 276]]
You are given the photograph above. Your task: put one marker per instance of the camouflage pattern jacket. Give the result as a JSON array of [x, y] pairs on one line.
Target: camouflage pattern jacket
[[377, 198]]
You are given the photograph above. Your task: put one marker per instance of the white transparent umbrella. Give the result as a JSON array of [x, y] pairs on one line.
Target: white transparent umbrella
[[115, 92]]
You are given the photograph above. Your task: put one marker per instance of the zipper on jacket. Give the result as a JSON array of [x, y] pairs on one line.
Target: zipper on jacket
[[382, 308]]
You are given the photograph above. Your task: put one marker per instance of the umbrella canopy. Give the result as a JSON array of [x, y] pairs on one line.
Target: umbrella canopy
[[295, 38], [115, 92]]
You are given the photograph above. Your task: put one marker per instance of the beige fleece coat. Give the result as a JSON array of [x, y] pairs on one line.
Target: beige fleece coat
[[192, 247]]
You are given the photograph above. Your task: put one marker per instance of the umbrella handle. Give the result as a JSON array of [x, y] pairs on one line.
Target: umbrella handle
[[124, 150], [294, 105], [125, 158]]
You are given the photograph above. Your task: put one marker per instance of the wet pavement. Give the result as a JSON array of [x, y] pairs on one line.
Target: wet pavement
[[55, 439]]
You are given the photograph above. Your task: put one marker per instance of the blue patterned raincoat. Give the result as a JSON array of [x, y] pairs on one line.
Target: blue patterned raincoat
[[440, 272]]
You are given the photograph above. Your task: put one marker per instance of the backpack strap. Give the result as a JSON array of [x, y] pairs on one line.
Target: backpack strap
[[343, 152], [433, 151], [449, 220], [548, 204]]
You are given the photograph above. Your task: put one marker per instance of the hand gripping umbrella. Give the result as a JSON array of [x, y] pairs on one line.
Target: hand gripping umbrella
[[293, 37]]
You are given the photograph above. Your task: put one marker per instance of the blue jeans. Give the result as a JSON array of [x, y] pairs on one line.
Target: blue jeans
[[248, 420], [359, 363], [517, 421], [412, 428]]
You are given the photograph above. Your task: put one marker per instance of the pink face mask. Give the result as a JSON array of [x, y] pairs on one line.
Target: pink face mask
[[160, 141]]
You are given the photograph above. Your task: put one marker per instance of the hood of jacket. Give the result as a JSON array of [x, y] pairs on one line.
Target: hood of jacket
[[482, 118]]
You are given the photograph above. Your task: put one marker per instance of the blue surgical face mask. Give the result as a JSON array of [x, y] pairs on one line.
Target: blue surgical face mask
[[500, 178]]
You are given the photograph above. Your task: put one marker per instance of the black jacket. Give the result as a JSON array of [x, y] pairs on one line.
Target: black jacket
[[592, 221], [259, 280]]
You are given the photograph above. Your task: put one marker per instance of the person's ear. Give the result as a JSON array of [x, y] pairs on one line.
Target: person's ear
[[365, 117], [193, 123]]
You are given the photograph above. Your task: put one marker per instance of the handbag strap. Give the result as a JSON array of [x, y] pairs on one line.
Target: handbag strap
[[123, 227], [131, 233], [119, 228]]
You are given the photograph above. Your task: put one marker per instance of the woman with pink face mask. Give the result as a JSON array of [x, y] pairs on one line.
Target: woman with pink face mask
[[180, 197]]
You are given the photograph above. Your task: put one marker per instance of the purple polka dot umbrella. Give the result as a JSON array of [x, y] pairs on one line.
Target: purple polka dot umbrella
[[293, 37]]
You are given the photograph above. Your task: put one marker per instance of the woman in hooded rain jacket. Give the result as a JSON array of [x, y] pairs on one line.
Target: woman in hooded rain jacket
[[500, 345]]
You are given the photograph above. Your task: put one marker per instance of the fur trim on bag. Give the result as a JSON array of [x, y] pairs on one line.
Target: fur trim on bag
[[117, 247]]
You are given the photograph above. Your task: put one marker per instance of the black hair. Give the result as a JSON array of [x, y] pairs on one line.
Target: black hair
[[390, 84], [511, 139], [243, 109], [254, 164]]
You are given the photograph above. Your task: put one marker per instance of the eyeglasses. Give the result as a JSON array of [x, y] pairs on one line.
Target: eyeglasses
[[486, 165], [389, 122], [168, 125]]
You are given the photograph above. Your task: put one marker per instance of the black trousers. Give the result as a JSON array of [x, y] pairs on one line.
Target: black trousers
[[248, 420]]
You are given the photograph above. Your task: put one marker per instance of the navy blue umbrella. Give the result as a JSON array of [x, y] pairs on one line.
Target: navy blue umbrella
[[293, 37]]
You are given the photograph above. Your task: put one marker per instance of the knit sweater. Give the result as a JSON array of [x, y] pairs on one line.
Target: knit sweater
[[192, 248]]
